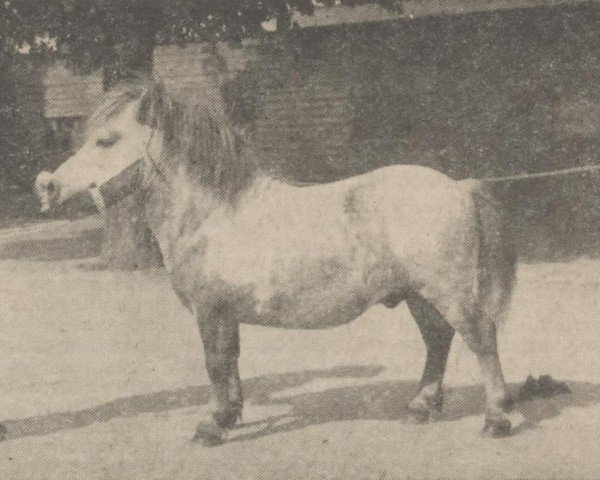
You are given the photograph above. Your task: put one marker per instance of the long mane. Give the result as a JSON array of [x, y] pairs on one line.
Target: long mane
[[198, 136]]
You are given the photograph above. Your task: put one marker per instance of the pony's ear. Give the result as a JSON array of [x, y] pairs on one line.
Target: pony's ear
[[153, 105]]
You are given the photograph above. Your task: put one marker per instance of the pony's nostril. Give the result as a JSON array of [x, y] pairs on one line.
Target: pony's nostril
[[52, 190]]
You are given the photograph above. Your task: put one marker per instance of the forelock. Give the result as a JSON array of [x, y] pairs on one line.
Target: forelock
[[115, 102]]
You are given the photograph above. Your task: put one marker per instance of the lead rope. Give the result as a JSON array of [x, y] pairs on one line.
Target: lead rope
[[551, 173], [506, 178], [148, 157]]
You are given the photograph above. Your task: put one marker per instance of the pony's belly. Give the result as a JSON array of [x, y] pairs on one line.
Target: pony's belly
[[325, 294], [321, 292], [317, 308], [318, 295]]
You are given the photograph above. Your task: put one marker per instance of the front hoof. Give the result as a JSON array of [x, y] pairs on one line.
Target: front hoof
[[209, 434], [424, 409], [496, 428], [227, 419]]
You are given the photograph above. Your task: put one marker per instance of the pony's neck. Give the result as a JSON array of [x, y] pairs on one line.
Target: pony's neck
[[176, 209]]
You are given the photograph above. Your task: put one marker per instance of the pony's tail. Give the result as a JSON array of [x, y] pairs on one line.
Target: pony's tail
[[497, 254]]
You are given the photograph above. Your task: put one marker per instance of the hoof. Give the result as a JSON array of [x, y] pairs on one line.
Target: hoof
[[496, 428], [209, 434], [424, 409], [227, 419], [418, 417]]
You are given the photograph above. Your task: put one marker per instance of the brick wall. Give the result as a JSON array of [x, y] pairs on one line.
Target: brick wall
[[472, 95]]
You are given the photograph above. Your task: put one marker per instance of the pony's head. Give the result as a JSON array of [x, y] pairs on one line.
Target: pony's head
[[116, 137], [141, 124]]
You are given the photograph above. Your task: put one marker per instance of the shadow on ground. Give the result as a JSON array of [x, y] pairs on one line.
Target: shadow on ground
[[379, 401], [85, 245]]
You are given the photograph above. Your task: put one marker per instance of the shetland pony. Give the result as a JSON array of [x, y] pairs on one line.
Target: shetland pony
[[241, 246]]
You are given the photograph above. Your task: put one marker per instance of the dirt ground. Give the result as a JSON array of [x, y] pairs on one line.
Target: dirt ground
[[102, 377]]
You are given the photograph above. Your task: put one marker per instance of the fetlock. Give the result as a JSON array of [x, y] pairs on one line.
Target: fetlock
[[237, 408]]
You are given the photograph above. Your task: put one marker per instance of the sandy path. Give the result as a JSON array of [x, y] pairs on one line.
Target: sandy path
[[102, 378]]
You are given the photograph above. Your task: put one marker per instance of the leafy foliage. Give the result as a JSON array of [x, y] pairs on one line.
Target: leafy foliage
[[119, 36], [8, 133], [93, 32]]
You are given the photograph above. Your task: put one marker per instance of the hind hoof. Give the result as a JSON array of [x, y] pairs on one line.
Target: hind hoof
[[496, 428], [418, 417], [209, 434]]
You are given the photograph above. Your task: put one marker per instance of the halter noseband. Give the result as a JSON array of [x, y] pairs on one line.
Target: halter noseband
[[125, 183]]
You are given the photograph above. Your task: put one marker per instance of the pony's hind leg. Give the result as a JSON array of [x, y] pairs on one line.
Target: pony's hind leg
[[437, 335], [483, 342], [479, 332], [220, 337]]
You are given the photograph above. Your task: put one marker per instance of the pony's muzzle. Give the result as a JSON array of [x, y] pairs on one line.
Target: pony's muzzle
[[97, 198], [47, 191]]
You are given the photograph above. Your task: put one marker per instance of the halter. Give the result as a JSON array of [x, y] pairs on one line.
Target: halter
[[125, 183], [151, 161]]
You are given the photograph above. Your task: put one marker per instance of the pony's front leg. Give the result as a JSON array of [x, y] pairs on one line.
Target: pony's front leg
[[220, 337]]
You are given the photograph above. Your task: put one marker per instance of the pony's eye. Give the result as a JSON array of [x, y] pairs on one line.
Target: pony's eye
[[108, 141]]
